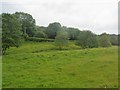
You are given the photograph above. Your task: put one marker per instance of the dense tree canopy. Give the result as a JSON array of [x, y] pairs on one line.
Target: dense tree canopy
[[52, 29], [114, 39], [11, 28], [40, 32], [0, 34], [104, 40], [119, 39], [40, 28], [27, 22], [23, 24], [73, 33], [87, 39]]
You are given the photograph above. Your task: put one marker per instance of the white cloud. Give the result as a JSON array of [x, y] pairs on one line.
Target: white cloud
[[98, 16]]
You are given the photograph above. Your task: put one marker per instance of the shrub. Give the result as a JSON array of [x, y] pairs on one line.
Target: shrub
[[61, 39], [40, 34], [34, 39], [87, 39], [104, 40]]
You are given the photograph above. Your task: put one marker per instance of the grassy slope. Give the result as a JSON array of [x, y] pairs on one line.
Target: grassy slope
[[0, 72], [39, 65]]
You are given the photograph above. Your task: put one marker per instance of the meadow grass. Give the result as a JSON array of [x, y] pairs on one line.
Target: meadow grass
[[41, 65], [0, 72]]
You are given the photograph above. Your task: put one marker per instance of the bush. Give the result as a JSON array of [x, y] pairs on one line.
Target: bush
[[25, 35], [114, 39], [87, 39], [61, 39], [104, 40], [40, 34], [34, 39]]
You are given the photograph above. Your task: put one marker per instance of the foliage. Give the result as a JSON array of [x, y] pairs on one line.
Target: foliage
[[40, 34], [104, 40], [0, 34], [73, 33], [87, 39], [23, 24], [61, 39], [10, 32], [119, 39], [34, 39], [24, 35], [40, 28], [27, 22], [113, 39], [52, 29]]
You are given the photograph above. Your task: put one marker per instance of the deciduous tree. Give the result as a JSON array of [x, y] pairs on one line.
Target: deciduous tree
[[87, 39], [11, 28], [52, 29], [61, 39], [104, 40], [27, 22]]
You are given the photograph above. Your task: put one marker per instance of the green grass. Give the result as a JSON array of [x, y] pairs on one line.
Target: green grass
[[41, 65], [0, 72]]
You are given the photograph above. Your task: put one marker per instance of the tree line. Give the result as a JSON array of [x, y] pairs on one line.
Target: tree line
[[22, 26]]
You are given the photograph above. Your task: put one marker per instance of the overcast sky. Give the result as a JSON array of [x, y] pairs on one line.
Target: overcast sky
[[96, 15]]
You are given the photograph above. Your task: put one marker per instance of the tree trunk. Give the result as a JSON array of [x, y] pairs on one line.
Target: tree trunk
[[3, 51]]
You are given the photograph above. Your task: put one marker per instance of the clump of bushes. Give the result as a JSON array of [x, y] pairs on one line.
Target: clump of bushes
[[34, 39], [87, 39], [104, 40]]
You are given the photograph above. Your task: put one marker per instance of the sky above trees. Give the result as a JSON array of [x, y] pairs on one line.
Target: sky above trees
[[96, 15]]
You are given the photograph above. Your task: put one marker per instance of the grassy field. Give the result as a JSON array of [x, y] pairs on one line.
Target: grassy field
[[0, 72], [41, 65]]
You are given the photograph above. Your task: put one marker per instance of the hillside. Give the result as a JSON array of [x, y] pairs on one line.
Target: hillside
[[42, 65]]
